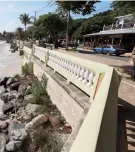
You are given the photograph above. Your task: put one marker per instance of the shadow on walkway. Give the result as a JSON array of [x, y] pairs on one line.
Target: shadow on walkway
[[86, 52], [126, 127]]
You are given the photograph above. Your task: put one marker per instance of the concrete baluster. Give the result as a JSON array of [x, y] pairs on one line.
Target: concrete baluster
[[61, 62], [57, 60], [75, 70], [91, 77], [69, 65], [81, 74], [72, 68], [86, 76], [66, 65], [78, 72]]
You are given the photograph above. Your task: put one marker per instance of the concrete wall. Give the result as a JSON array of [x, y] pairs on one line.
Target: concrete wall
[[70, 109]]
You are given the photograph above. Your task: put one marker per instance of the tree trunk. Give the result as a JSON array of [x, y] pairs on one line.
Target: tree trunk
[[54, 38], [25, 26], [55, 42]]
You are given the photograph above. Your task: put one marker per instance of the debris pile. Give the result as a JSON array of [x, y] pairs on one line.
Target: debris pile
[[26, 126]]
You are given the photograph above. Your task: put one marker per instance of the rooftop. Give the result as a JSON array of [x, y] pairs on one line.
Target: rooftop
[[113, 32], [129, 15]]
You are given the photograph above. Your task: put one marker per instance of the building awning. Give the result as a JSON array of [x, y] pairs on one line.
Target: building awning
[[112, 32]]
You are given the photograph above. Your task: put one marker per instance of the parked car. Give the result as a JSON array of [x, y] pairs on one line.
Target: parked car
[[110, 49], [70, 44]]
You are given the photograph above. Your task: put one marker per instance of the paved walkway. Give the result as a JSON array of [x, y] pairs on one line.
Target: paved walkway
[[126, 93]]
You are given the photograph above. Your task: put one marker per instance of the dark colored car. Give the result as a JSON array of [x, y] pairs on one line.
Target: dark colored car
[[70, 44], [110, 49]]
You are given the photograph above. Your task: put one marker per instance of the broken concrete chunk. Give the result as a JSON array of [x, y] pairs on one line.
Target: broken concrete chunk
[[37, 121], [13, 145]]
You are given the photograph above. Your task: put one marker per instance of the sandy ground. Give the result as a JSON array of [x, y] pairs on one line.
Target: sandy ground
[[10, 63]]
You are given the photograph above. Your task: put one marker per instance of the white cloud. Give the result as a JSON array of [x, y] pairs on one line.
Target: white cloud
[[10, 6], [11, 26]]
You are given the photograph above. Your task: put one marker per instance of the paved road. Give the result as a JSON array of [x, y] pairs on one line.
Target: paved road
[[121, 58]]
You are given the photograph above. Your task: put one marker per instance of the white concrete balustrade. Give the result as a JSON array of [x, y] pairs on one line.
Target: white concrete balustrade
[[82, 76], [101, 82], [40, 52]]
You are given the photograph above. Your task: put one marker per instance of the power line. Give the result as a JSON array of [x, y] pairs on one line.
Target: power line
[[93, 13], [49, 2]]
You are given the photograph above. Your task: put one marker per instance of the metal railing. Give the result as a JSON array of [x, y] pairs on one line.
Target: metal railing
[[129, 25]]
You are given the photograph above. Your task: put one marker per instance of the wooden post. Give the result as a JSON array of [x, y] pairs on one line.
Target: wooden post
[[112, 27], [103, 27], [120, 40], [108, 40], [112, 41]]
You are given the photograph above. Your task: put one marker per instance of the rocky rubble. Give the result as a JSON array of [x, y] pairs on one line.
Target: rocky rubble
[[24, 126]]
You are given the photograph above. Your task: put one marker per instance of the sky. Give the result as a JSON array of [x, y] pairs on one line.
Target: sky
[[11, 10]]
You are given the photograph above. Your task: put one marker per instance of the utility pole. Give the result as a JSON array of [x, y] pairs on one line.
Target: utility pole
[[67, 37], [33, 33]]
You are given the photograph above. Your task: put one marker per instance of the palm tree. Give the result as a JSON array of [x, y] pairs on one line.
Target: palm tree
[[19, 31], [25, 19]]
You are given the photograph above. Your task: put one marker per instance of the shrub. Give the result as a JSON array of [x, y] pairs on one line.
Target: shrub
[[25, 69], [40, 95]]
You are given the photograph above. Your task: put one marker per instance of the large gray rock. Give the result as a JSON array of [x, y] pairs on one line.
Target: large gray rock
[[22, 88], [3, 124], [13, 125], [23, 116], [7, 107], [1, 110], [3, 81], [3, 140], [2, 89], [10, 81], [18, 135], [14, 86], [13, 145], [34, 109], [8, 96], [3, 117]]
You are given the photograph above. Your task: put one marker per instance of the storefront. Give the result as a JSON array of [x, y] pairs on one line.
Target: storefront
[[122, 38]]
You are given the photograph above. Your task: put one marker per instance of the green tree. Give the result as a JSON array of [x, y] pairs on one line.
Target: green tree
[[123, 7], [95, 23], [25, 19], [81, 7], [4, 34], [9, 36], [19, 33], [39, 32], [52, 24], [75, 24]]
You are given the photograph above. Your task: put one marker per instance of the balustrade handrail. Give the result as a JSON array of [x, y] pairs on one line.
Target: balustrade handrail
[[74, 69]]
